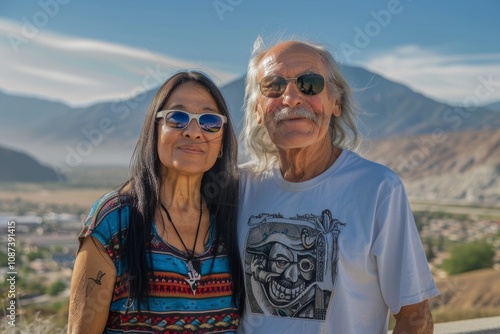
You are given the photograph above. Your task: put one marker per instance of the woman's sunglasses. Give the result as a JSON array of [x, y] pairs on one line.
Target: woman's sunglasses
[[308, 84], [178, 119]]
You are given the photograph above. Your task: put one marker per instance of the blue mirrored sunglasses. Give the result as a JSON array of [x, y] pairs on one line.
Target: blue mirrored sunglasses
[[179, 119]]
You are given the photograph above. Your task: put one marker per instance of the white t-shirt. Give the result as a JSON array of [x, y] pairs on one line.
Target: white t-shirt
[[330, 255]]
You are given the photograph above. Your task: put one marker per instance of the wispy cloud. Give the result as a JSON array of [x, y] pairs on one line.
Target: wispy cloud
[[460, 79], [81, 71]]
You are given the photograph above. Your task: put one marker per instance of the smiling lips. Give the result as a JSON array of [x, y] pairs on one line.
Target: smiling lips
[[298, 118], [190, 148], [295, 120]]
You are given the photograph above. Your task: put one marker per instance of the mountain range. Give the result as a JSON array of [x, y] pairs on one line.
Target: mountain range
[[399, 124], [493, 106]]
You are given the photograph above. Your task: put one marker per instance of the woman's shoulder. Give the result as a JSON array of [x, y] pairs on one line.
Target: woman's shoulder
[[106, 208]]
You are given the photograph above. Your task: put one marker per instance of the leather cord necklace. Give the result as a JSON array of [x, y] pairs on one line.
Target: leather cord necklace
[[192, 264]]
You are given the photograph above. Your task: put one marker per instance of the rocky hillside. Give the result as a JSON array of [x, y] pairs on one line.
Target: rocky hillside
[[476, 290], [463, 166]]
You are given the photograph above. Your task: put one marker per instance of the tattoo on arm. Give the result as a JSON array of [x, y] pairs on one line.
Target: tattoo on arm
[[95, 281]]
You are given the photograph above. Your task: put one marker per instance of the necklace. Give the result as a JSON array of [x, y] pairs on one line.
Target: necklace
[[192, 264]]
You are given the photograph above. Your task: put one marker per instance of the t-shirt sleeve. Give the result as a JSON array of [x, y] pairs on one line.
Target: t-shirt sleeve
[[106, 222], [404, 273]]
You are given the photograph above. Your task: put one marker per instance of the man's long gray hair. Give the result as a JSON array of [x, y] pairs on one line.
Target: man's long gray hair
[[258, 145]]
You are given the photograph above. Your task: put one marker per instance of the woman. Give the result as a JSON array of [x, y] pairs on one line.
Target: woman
[[159, 255]]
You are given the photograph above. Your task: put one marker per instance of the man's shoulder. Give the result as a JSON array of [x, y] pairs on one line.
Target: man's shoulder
[[376, 170]]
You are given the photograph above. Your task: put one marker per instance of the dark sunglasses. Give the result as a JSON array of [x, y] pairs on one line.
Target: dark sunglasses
[[178, 119], [308, 84]]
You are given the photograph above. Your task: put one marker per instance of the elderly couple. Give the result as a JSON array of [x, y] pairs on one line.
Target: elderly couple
[[305, 237]]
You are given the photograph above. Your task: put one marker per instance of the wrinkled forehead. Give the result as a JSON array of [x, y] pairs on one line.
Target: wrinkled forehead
[[291, 59]]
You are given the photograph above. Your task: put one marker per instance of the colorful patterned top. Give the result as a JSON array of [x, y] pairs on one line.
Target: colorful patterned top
[[174, 306]]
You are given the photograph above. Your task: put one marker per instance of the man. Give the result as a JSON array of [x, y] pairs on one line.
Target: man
[[328, 238]]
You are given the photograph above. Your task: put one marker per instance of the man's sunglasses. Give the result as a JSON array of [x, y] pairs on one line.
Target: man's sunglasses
[[178, 119], [308, 84]]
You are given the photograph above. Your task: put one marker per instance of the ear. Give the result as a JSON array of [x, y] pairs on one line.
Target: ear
[[221, 152], [336, 109], [259, 113]]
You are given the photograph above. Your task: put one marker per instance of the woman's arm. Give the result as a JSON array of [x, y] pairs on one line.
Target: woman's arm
[[92, 285]]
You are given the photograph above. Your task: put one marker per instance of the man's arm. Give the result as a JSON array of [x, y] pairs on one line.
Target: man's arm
[[416, 318], [92, 285]]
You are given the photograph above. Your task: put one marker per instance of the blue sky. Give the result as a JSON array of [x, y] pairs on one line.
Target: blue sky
[[81, 52]]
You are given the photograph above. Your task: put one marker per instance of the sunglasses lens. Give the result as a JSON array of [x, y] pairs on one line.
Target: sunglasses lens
[[177, 119], [210, 123], [273, 86], [180, 120], [310, 84]]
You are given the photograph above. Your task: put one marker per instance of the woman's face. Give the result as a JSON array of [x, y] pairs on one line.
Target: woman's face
[[189, 151]]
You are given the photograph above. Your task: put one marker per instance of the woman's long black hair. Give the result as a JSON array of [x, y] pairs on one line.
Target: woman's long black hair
[[219, 188]]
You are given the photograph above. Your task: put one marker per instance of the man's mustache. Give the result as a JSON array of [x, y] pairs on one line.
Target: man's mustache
[[290, 113]]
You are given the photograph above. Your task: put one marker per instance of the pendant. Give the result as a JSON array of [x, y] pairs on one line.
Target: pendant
[[194, 276]]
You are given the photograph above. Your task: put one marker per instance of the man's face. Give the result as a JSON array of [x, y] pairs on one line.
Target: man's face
[[289, 60]]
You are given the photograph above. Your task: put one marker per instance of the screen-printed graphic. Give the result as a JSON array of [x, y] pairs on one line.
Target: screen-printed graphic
[[291, 264]]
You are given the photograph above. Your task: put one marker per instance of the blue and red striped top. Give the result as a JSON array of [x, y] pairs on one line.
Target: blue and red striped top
[[173, 306]]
